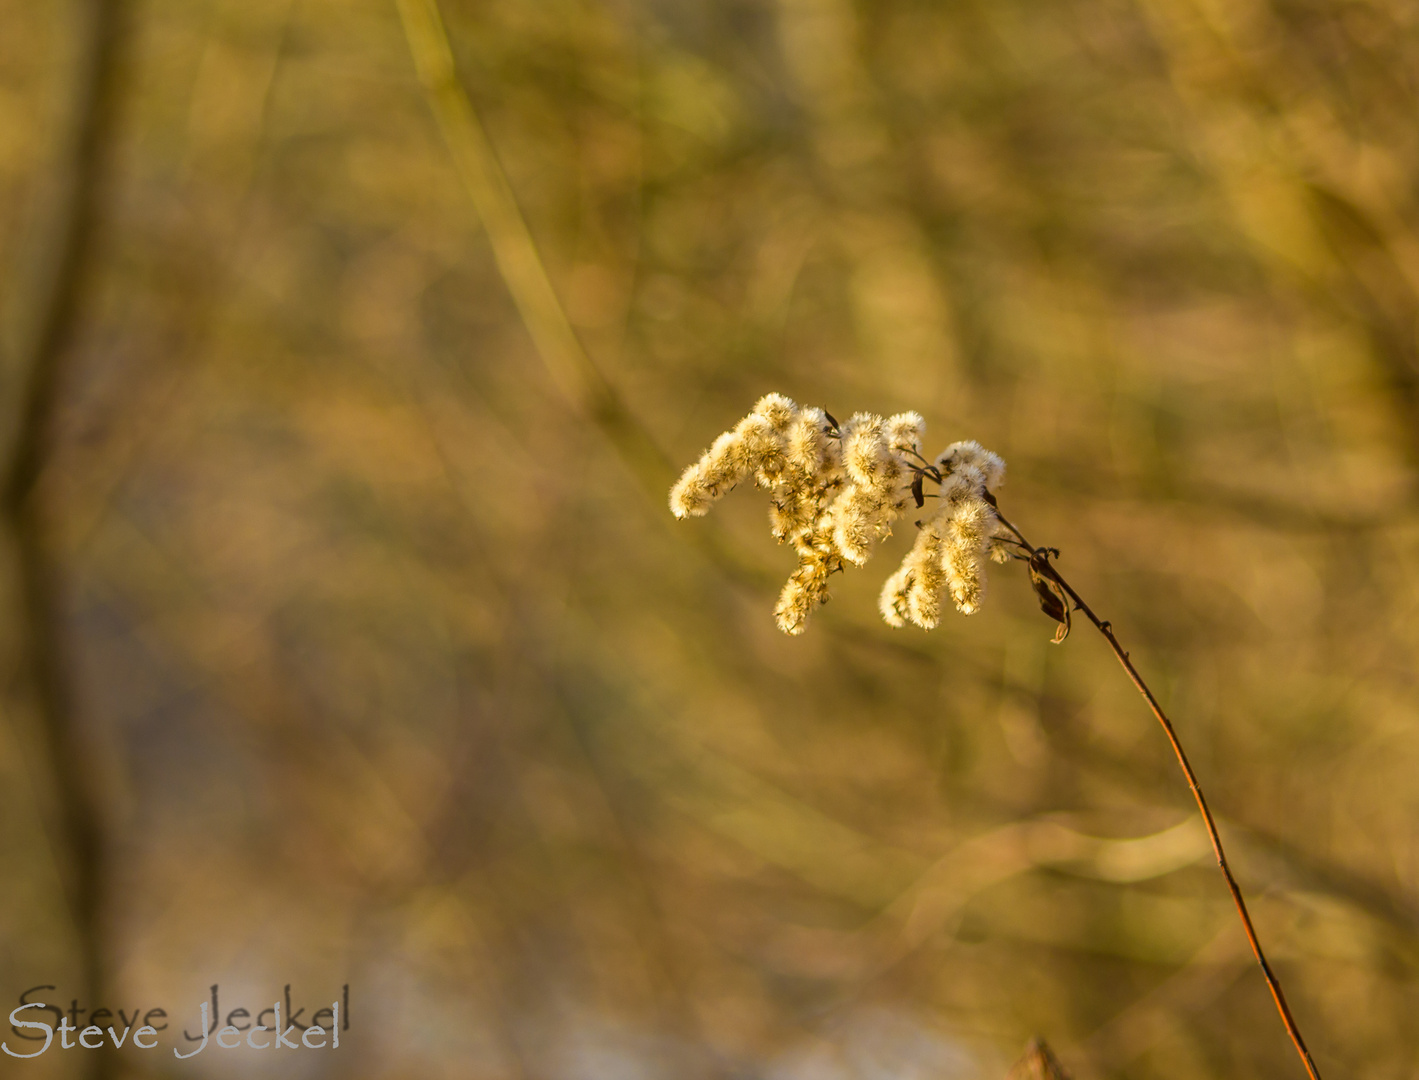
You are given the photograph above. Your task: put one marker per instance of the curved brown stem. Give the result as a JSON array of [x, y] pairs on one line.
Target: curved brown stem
[[1040, 562]]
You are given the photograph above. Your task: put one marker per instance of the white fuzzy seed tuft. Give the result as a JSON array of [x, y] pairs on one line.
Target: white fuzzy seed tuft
[[835, 491]]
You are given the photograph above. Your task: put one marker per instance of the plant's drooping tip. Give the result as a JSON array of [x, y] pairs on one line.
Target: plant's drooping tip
[[834, 492]]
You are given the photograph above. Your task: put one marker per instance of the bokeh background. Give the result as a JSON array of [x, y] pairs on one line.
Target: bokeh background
[[348, 638]]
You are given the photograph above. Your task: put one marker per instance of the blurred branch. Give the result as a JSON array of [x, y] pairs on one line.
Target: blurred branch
[[573, 372], [1216, 501], [47, 669], [1291, 869], [95, 474], [1285, 164], [1396, 912]]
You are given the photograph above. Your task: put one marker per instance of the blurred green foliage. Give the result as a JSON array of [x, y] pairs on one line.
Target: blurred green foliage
[[403, 675]]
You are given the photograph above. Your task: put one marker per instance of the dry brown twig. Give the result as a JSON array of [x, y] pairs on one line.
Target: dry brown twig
[[1043, 569], [836, 489]]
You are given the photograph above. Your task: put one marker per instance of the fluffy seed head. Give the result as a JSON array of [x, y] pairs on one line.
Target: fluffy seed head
[[811, 477], [970, 521], [970, 458], [835, 491], [722, 466], [764, 447], [893, 601], [807, 587], [866, 452], [860, 516], [778, 410], [809, 441], [928, 577], [905, 431], [879, 488], [757, 444]]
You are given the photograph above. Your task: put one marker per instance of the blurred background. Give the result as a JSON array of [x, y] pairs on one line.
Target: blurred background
[[350, 349]]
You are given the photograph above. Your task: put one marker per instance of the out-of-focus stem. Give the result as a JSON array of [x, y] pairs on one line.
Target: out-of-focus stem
[[573, 372], [1039, 560], [46, 669], [519, 262]]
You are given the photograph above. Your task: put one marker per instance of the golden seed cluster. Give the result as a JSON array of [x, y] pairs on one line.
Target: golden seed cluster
[[953, 542], [834, 491]]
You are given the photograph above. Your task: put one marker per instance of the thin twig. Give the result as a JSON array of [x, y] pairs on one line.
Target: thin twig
[[1040, 561]]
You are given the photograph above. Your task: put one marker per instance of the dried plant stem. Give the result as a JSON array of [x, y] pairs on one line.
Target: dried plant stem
[[1040, 562]]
